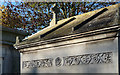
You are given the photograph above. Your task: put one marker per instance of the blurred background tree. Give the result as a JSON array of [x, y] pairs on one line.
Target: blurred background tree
[[34, 16]]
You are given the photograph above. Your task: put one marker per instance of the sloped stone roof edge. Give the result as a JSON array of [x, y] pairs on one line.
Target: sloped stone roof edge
[[23, 45]]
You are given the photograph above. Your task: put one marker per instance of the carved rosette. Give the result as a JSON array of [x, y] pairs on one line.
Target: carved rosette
[[58, 61]]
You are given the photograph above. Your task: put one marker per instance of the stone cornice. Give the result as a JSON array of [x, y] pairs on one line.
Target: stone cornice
[[105, 31], [6, 29]]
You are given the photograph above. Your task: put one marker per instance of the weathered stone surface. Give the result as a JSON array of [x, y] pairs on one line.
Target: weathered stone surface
[[73, 56], [9, 56], [9, 35], [86, 43], [101, 18]]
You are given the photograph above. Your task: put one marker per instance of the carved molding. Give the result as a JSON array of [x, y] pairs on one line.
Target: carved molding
[[96, 58]]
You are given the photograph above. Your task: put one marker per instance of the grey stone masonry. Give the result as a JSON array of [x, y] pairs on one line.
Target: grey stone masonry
[[9, 56], [87, 43]]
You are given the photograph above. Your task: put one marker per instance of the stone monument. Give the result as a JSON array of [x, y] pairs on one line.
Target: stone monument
[[87, 43], [9, 56]]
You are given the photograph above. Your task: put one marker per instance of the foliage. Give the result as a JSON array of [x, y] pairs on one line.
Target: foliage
[[34, 16]]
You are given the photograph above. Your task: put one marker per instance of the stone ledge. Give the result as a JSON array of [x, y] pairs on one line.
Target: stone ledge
[[70, 37], [8, 35], [2, 28], [71, 42]]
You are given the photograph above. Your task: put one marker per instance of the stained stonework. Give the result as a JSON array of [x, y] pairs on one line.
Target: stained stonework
[[98, 58], [101, 18], [87, 43], [9, 56]]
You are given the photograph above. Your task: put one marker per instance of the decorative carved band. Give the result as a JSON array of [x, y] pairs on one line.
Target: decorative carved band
[[96, 58]]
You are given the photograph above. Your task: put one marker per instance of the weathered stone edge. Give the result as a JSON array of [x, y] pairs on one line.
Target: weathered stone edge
[[2, 28], [65, 38]]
